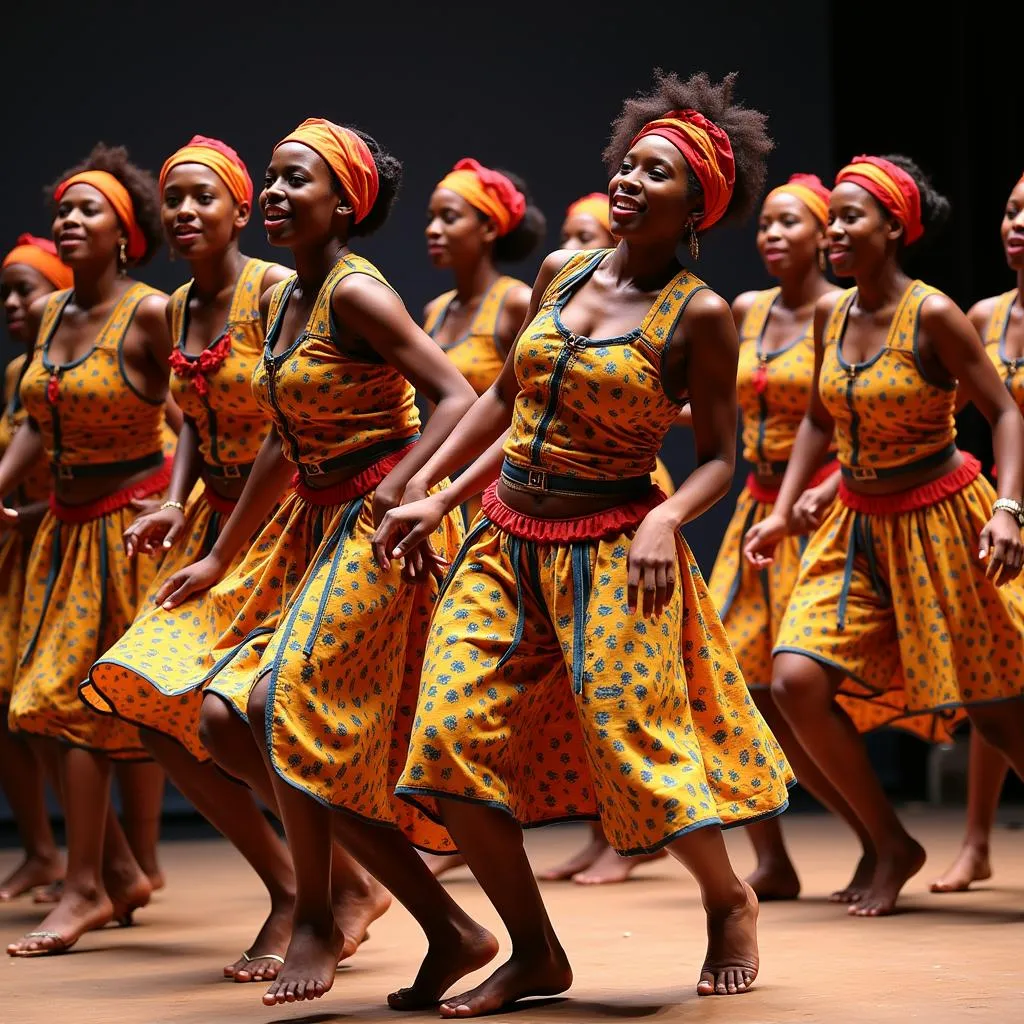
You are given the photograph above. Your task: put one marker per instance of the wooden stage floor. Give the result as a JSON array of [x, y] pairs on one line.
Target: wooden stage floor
[[636, 948]]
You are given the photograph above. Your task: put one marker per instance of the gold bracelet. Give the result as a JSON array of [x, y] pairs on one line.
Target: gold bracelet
[[173, 504]]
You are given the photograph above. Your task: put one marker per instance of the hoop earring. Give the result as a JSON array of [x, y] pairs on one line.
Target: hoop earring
[[122, 256], [694, 243]]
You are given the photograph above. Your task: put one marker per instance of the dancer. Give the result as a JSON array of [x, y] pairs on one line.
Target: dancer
[[577, 666], [94, 395], [587, 226], [774, 381], [1000, 322], [206, 202], [29, 271], [908, 598], [322, 652]]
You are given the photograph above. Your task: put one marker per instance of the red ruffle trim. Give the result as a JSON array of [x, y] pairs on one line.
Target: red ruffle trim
[[158, 481], [927, 494], [769, 495], [608, 523], [355, 486], [225, 506]]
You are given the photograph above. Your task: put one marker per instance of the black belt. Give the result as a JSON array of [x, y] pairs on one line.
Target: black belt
[[228, 471], [888, 472], [63, 471], [362, 458], [770, 468], [572, 486]]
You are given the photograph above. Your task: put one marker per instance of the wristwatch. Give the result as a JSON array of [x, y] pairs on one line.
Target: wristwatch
[[1015, 508]]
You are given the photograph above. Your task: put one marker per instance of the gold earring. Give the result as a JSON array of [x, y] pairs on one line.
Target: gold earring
[[122, 256], [694, 243], [822, 262]]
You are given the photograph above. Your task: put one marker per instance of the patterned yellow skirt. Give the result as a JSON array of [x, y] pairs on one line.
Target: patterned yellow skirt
[[81, 594], [892, 592], [543, 696], [138, 678], [14, 552]]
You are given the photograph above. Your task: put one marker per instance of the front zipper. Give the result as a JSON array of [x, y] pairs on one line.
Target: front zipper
[[573, 345], [271, 367], [851, 380]]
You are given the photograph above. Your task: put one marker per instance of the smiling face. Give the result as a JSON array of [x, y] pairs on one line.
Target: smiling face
[[457, 235], [861, 233], [1012, 230], [86, 228], [650, 194], [300, 199], [20, 286], [200, 216], [789, 236]]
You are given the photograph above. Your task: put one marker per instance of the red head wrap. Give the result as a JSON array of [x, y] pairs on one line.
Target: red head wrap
[[488, 191], [707, 150], [892, 187], [41, 254], [220, 158]]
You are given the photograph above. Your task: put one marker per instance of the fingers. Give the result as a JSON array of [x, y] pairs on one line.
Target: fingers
[[382, 540], [632, 584], [173, 533], [650, 585], [175, 590]]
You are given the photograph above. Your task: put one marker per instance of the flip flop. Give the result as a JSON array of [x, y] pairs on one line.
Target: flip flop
[[249, 959], [55, 950]]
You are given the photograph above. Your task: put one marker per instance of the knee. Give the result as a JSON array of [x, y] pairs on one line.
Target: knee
[[799, 687], [256, 708], [218, 724]]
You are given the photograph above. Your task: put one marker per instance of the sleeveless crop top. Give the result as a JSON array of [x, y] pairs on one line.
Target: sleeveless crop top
[[477, 354], [593, 409], [1011, 370], [333, 409], [37, 484], [773, 388], [90, 416], [890, 418], [214, 387]]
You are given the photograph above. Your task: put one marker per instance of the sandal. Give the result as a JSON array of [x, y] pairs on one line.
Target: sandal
[[62, 945]]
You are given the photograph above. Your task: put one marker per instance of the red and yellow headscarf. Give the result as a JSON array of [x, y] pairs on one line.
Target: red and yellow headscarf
[[488, 191], [707, 150], [119, 198], [892, 187], [810, 190], [596, 205], [219, 158], [40, 254], [347, 155]]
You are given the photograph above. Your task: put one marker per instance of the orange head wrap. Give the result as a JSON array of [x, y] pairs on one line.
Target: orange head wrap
[[487, 191], [40, 254], [119, 198], [892, 187], [595, 204], [347, 155], [707, 150], [809, 189], [220, 158]]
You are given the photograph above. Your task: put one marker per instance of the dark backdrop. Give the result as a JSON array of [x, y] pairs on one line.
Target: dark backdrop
[[528, 86]]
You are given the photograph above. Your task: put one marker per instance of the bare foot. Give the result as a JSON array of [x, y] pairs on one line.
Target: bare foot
[[309, 965], [577, 863], [610, 867], [543, 972], [445, 963], [50, 893], [862, 875], [442, 865], [156, 880], [355, 912], [971, 865], [774, 880], [76, 914], [893, 871], [129, 889], [732, 960], [257, 963], [31, 873]]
